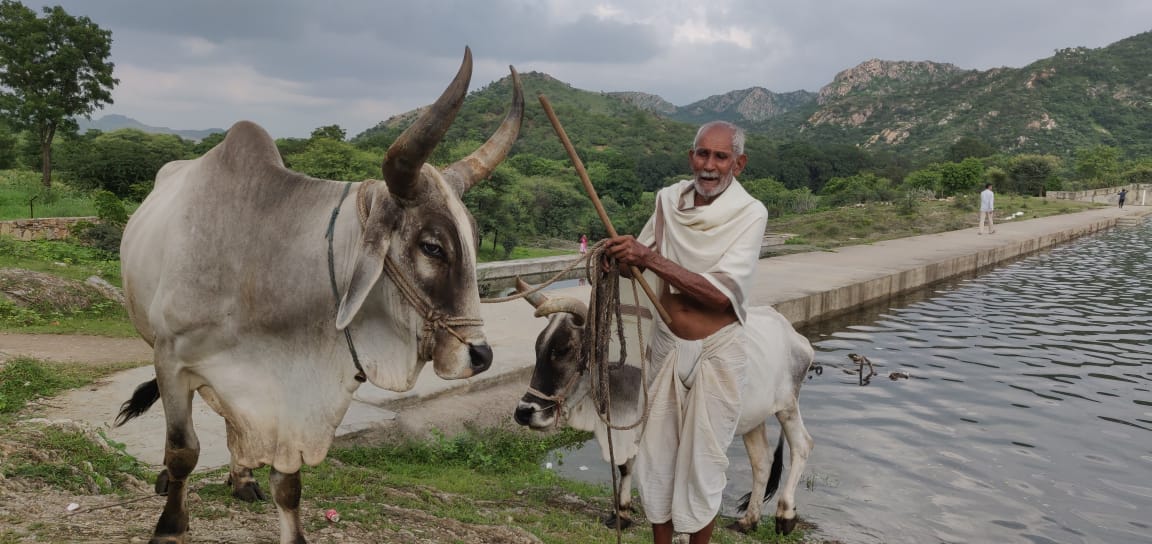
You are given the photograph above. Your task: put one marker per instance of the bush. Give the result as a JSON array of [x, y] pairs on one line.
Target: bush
[[858, 189], [116, 160], [970, 201], [109, 208], [102, 236], [909, 202]]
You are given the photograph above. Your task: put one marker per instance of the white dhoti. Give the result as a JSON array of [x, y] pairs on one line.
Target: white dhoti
[[695, 405]]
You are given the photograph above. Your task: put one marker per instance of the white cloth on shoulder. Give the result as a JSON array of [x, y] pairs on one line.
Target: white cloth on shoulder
[[720, 241], [681, 463]]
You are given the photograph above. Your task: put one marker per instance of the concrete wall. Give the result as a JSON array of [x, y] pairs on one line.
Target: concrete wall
[[814, 307], [1138, 195], [499, 275]]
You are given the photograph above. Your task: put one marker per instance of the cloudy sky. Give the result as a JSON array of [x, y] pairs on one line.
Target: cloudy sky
[[294, 65]]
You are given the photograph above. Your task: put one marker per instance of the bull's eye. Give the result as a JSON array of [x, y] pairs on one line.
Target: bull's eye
[[432, 250], [559, 352]]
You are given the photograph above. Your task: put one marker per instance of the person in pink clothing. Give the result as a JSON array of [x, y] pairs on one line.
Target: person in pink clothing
[[583, 244]]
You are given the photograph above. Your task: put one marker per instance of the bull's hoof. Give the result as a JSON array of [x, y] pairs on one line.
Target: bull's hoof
[[161, 486], [249, 492], [612, 519], [786, 526], [740, 528]]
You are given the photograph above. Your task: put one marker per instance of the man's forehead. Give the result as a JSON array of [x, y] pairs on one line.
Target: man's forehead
[[715, 139]]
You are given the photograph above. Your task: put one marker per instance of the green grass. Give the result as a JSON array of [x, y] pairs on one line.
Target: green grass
[[487, 254], [456, 478], [73, 460], [18, 187], [479, 476], [63, 258], [70, 458], [875, 222], [24, 379]]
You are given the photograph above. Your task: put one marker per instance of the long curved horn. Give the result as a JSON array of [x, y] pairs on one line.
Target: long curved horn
[[535, 299], [466, 172], [568, 305], [407, 154]]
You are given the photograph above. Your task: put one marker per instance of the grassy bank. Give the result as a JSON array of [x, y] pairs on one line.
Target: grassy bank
[[482, 485], [876, 222]]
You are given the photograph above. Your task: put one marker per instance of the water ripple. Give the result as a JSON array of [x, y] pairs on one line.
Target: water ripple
[[1028, 374], [1028, 419]]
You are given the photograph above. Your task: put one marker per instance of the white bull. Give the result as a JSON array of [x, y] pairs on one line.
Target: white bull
[[778, 362], [274, 295]]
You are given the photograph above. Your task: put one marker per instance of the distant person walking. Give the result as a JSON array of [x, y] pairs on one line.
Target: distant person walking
[[583, 244], [1123, 195], [987, 206]]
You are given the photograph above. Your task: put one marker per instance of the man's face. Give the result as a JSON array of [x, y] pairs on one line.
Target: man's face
[[713, 162]]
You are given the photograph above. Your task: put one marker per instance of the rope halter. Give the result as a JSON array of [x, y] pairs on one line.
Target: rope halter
[[433, 320]]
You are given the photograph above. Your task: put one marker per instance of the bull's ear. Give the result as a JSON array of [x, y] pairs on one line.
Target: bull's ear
[[365, 274]]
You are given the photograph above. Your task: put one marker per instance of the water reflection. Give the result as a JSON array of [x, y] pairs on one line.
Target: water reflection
[[1027, 415]]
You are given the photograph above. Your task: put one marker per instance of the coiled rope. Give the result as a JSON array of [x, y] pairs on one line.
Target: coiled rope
[[603, 310]]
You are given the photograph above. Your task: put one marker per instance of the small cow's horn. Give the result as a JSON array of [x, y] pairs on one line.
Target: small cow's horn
[[407, 154], [535, 299], [466, 172], [567, 305]]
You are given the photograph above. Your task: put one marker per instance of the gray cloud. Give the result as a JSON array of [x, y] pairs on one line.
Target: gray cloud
[[293, 65]]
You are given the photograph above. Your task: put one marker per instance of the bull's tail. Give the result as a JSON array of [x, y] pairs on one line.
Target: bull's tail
[[143, 398], [773, 476]]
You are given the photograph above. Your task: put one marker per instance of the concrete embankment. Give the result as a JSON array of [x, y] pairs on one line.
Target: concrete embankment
[[805, 287], [809, 287]]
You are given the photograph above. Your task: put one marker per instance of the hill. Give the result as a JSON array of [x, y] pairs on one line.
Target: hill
[[1077, 98], [112, 122]]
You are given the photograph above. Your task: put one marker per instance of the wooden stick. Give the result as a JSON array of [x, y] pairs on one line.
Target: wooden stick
[[596, 202]]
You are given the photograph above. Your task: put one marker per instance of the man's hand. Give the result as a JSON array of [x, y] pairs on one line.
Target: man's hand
[[627, 251]]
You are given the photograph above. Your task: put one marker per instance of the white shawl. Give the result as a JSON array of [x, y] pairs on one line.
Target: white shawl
[[720, 241]]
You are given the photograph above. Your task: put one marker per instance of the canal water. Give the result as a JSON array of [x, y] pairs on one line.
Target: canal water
[[1027, 416]]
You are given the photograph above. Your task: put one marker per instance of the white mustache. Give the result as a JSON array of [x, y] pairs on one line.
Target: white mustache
[[708, 175]]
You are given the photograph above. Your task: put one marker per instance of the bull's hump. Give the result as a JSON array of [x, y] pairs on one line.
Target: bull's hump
[[248, 146]]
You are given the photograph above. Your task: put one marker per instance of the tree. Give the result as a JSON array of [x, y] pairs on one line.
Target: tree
[[209, 141], [123, 161], [926, 178], [332, 132], [1031, 174], [331, 159], [968, 146], [7, 147], [52, 69], [857, 189], [1100, 162], [961, 177]]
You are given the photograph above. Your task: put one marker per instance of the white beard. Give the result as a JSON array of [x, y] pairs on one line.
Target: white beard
[[715, 191]]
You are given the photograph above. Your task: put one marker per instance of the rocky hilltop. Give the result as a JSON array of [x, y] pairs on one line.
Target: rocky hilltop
[[756, 104], [646, 101], [881, 77]]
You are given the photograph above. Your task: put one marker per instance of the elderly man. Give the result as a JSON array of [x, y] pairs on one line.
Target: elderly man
[[702, 242]]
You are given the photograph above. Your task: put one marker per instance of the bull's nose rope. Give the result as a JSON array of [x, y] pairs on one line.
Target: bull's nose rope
[[433, 320]]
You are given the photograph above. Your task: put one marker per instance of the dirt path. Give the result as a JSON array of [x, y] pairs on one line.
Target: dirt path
[[26, 508], [74, 348]]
